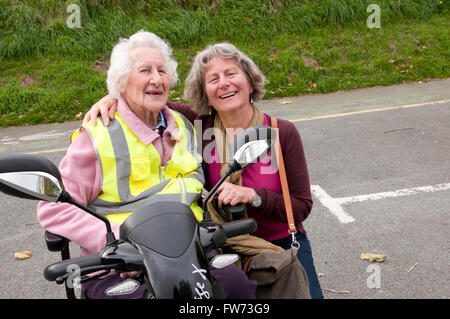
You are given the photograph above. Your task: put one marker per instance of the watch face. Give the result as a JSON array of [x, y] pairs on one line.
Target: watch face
[[257, 201]]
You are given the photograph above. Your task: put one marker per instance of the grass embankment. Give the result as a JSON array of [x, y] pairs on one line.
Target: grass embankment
[[52, 73]]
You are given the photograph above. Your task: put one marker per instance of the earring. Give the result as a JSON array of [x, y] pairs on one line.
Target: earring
[[251, 98]]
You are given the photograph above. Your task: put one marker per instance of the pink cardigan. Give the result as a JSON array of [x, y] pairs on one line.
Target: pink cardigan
[[81, 175]]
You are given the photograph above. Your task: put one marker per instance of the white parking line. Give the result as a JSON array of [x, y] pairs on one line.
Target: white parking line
[[330, 203], [335, 204], [397, 193]]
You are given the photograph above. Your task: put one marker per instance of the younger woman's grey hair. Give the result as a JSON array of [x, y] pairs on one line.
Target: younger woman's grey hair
[[120, 65], [194, 89]]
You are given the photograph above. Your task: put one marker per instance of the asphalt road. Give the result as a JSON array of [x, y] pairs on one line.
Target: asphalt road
[[379, 164], [376, 153]]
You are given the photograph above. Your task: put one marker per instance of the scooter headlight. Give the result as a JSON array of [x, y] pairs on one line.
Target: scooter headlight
[[125, 287]]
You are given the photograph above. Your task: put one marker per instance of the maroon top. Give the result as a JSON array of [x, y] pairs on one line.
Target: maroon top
[[272, 205]]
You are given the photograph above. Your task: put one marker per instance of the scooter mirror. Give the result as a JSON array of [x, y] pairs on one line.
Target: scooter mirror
[[251, 152], [35, 177], [30, 176], [252, 144], [37, 185]]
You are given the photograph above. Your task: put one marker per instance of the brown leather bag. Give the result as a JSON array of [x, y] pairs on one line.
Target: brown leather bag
[[279, 274]]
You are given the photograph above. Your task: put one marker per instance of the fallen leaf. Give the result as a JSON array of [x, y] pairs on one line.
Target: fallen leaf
[[21, 255], [342, 292], [311, 85], [373, 257], [78, 115], [320, 274], [286, 102]]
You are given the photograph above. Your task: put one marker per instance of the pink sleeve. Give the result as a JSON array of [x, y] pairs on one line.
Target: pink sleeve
[[80, 172]]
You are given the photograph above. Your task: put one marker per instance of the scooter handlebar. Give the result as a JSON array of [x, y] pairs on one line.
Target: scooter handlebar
[[94, 262], [239, 227], [52, 272]]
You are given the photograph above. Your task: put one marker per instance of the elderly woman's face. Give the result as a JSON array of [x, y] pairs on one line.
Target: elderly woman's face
[[226, 85], [148, 84]]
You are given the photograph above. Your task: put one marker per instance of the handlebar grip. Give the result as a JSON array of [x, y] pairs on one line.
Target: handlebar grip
[[53, 271], [239, 227]]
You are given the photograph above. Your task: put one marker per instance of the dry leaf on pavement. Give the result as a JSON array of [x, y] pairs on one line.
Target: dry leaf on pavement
[[21, 255], [373, 257]]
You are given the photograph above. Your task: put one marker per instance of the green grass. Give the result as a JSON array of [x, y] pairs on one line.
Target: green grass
[[50, 73]]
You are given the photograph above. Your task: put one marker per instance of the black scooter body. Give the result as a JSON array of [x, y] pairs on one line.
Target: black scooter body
[[167, 236]]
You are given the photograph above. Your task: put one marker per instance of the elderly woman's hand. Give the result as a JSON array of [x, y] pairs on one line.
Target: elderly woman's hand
[[230, 194], [107, 107]]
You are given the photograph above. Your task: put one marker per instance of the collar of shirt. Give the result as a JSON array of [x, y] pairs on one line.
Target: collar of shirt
[[142, 131]]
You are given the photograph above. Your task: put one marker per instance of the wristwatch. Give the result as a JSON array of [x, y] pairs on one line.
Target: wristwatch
[[257, 201]]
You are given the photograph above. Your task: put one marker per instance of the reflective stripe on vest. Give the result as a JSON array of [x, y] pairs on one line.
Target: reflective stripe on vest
[[132, 175]]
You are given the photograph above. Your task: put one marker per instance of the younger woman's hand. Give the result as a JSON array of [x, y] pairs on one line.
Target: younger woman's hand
[[230, 194], [107, 107]]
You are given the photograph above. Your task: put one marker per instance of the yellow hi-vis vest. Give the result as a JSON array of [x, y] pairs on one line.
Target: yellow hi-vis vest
[[132, 175]]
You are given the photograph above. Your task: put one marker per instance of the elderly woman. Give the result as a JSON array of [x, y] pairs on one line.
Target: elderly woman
[[222, 86], [147, 154]]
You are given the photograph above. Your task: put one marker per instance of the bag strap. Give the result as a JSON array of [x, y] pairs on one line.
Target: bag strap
[[247, 263], [284, 184]]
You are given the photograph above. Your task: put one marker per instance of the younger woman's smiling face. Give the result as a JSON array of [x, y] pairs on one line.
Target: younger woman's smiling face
[[227, 86]]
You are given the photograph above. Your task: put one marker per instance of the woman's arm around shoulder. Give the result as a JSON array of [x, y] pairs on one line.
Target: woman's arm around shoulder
[[184, 109]]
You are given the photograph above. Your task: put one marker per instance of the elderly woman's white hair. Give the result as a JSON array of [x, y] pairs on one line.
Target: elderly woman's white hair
[[194, 89], [121, 61]]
